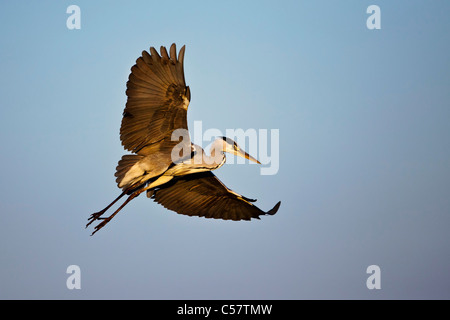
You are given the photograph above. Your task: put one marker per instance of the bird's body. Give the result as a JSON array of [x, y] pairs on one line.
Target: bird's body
[[177, 174]]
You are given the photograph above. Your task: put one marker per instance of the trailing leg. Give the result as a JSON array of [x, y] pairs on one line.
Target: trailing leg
[[97, 215]]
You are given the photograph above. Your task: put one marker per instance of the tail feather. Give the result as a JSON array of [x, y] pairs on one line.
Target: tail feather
[[126, 171]]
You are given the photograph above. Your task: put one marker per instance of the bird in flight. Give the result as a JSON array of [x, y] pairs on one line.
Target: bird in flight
[[175, 174]]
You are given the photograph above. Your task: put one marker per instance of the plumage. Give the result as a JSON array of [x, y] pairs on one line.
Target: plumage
[[156, 103], [203, 194], [174, 173]]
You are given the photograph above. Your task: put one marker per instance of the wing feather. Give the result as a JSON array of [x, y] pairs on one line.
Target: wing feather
[[204, 195], [156, 103], [164, 54]]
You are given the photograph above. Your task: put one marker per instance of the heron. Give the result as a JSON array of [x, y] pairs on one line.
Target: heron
[[177, 175]]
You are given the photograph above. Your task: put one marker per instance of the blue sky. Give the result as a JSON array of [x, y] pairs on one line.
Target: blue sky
[[364, 150]]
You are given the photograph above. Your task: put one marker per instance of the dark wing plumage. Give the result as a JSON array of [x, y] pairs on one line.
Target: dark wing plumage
[[157, 102], [204, 195]]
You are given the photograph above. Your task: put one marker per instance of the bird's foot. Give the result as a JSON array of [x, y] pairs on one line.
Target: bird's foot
[[101, 224], [95, 216]]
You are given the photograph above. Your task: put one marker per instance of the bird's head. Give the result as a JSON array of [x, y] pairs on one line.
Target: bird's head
[[224, 144]]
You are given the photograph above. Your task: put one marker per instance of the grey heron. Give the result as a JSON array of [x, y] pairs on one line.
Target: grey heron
[[157, 103]]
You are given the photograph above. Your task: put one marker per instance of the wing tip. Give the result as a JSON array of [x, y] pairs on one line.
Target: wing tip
[[181, 54], [274, 209], [154, 54]]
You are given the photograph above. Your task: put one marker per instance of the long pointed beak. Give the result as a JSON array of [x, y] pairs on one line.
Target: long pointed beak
[[245, 155]]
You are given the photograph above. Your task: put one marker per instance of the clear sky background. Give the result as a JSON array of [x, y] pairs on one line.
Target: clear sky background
[[364, 173]]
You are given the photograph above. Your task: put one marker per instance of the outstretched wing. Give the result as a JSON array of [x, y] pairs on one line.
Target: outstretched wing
[[204, 195], [157, 103]]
